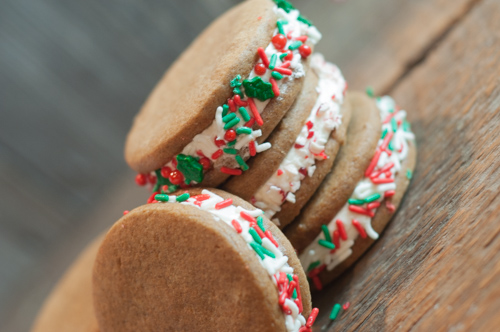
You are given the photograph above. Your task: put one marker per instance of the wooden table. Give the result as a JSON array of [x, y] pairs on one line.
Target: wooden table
[[74, 73]]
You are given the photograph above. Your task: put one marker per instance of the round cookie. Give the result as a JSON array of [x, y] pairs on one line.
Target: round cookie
[[190, 266], [223, 96], [313, 151], [263, 165], [349, 167], [348, 233], [70, 305]]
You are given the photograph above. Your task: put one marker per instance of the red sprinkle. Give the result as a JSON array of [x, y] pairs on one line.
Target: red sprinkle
[[346, 306], [176, 177], [305, 51], [255, 111], [263, 56], [252, 149], [291, 288], [279, 41], [164, 187], [259, 231], [389, 193], [141, 179], [309, 125], [289, 35], [236, 226], [276, 90], [373, 205], [373, 163], [231, 171], [224, 204], [359, 228], [232, 106], [205, 162], [202, 197], [298, 146], [230, 135], [360, 210], [284, 71], [217, 154], [302, 38], [250, 123], [336, 239], [303, 171], [289, 56], [382, 180], [126, 212], [341, 228], [279, 172], [390, 206], [219, 142], [239, 102], [200, 153], [312, 317], [298, 300], [152, 178], [271, 238], [311, 134], [152, 197], [260, 69], [286, 64], [165, 171], [248, 217], [387, 139]]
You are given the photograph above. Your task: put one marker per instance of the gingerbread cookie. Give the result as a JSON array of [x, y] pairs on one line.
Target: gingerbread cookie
[[225, 94], [209, 261], [347, 234]]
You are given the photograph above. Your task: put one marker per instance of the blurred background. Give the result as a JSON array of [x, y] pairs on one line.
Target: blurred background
[[72, 76]]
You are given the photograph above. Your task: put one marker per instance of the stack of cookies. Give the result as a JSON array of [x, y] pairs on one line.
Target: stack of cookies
[[308, 173]]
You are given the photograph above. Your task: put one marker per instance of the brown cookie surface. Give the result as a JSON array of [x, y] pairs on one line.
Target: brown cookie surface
[[310, 184], [70, 306], [264, 164], [173, 267], [349, 167], [379, 221]]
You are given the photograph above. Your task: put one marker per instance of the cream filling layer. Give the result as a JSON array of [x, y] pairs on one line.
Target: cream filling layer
[[390, 163], [309, 146], [294, 320], [204, 143]]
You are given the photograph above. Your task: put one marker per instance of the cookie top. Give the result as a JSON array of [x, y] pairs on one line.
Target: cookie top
[[208, 262], [263, 165], [382, 186], [349, 167], [223, 96]]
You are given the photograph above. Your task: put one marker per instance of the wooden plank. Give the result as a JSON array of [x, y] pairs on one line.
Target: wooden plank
[[376, 42], [437, 266]]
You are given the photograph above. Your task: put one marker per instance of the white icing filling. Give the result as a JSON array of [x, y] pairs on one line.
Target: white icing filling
[[309, 146], [203, 143], [294, 321], [365, 188]]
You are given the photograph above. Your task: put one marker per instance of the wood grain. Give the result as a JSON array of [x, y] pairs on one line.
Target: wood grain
[[437, 267]]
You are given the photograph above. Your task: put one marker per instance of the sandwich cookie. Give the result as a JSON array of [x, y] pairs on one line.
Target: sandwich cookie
[[199, 261], [350, 232], [218, 102], [313, 152]]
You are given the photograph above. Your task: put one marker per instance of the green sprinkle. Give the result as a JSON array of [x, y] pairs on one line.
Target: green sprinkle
[[294, 295], [276, 75], [272, 62], [241, 162], [384, 133], [243, 130], [182, 198], [255, 235], [190, 168], [237, 91], [326, 232], [244, 113], [268, 252], [356, 201], [372, 198], [391, 110], [394, 124], [235, 82], [230, 151], [391, 146], [231, 123], [370, 92], [303, 19], [409, 174], [335, 311], [326, 244], [285, 5], [228, 117], [279, 24], [232, 143], [255, 246], [260, 223], [294, 45], [313, 265], [172, 188], [161, 198], [289, 276], [282, 55], [160, 181], [225, 109], [257, 88], [406, 126]]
